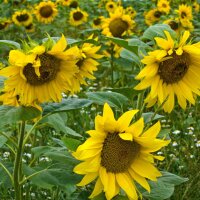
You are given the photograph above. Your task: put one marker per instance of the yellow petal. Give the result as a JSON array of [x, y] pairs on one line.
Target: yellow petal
[[38, 50], [104, 178], [111, 192], [87, 179], [126, 136], [136, 128], [59, 46], [153, 131], [97, 189]]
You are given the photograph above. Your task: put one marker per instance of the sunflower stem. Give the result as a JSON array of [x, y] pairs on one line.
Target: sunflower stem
[[17, 175], [139, 105], [112, 64]]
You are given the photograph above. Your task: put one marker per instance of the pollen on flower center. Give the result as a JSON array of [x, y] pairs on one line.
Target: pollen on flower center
[[46, 11], [48, 70], [117, 154], [118, 27], [22, 17], [173, 69], [77, 15]]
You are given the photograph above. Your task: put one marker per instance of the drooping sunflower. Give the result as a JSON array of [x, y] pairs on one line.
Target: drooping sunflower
[[111, 6], [77, 17], [163, 6], [86, 63], [41, 74], [46, 11], [118, 24], [118, 154], [152, 16], [22, 18], [185, 12], [171, 71]]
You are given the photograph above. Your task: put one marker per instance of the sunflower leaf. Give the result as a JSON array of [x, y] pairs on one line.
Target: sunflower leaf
[[10, 43]]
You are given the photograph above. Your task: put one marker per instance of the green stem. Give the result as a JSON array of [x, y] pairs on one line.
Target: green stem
[[17, 165], [139, 105], [9, 174], [112, 64]]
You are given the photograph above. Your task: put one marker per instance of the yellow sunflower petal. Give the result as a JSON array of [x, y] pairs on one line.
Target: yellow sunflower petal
[[153, 131], [97, 189], [88, 178]]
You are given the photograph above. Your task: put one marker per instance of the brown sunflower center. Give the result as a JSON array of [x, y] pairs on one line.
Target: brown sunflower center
[[173, 69], [3, 25], [157, 14], [78, 16], [22, 17], [164, 5], [173, 25], [117, 155], [46, 11], [183, 15], [110, 6], [50, 65], [73, 4], [80, 63], [29, 27], [118, 27], [97, 21]]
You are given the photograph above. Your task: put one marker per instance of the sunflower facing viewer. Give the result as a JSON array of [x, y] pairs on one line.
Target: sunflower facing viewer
[[118, 154], [171, 71], [77, 17]]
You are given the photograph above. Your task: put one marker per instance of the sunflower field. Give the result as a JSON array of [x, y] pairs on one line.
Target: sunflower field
[[99, 99]]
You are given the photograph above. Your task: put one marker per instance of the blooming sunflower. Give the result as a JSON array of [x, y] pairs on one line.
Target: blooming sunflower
[[45, 12], [171, 71], [185, 12], [118, 24], [66, 2], [130, 11], [86, 63], [152, 16], [97, 22], [77, 17], [163, 6], [111, 6], [30, 28], [22, 18], [195, 6], [40, 75], [174, 24], [73, 4], [4, 23], [117, 154]]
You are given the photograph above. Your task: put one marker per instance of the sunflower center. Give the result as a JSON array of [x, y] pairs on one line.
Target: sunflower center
[[164, 5], [73, 4], [2, 25], [157, 14], [49, 67], [173, 25], [183, 15], [97, 21], [80, 63], [22, 17], [118, 27], [110, 6], [46, 11], [78, 15], [173, 69], [117, 155]]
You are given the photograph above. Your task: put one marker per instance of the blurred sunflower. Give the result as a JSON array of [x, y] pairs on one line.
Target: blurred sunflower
[[97, 22], [163, 6], [46, 11], [4, 23], [152, 16], [86, 63], [65, 2], [41, 75], [118, 154], [195, 6], [174, 24], [111, 6], [171, 71], [187, 24], [185, 12], [118, 24], [77, 17], [30, 28], [130, 11], [22, 18], [73, 4]]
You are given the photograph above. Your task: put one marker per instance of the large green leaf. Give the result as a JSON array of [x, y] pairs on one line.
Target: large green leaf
[[11, 114], [112, 98], [66, 105], [157, 30], [71, 143], [10, 43]]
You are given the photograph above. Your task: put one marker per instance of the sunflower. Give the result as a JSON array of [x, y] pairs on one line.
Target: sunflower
[[66, 2], [130, 11], [9, 99], [118, 24], [73, 4], [171, 71], [86, 63], [4, 23], [163, 6], [118, 154], [97, 22], [30, 28], [111, 6], [195, 6], [45, 12], [174, 24], [41, 75], [152, 16], [22, 18], [187, 25], [185, 12], [77, 17]]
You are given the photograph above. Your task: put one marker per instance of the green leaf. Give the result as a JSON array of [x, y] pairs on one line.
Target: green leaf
[[3, 139], [125, 44], [66, 105], [71, 143], [10, 43], [148, 116], [11, 115], [112, 98], [130, 56], [157, 30], [57, 122]]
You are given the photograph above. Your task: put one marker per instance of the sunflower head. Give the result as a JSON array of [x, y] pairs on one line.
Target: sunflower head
[[171, 71], [46, 11], [78, 17], [152, 16], [174, 24], [185, 12], [130, 11], [111, 6], [30, 28], [73, 4], [22, 18], [163, 6], [195, 7], [118, 154], [118, 24], [4, 23]]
